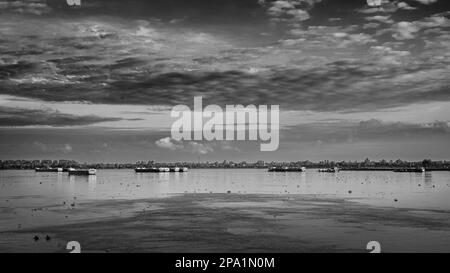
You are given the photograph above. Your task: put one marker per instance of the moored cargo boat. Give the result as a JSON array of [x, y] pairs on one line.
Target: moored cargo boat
[[160, 170], [287, 169], [73, 171], [330, 170], [49, 170], [146, 170], [178, 170], [410, 170]]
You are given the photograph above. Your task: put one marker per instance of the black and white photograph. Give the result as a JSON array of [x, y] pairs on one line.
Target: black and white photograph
[[225, 126]]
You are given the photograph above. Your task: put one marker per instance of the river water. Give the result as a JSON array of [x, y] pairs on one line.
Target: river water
[[34, 200]]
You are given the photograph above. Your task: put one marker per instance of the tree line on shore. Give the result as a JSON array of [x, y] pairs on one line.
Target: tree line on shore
[[366, 164]]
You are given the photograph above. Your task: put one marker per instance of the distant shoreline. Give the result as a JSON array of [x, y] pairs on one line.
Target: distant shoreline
[[254, 168], [366, 165]]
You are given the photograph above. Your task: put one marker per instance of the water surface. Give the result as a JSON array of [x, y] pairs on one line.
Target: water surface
[[309, 211]]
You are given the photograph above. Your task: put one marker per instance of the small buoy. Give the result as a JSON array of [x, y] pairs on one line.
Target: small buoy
[[396, 200], [47, 238], [350, 192], [228, 191], [36, 238]]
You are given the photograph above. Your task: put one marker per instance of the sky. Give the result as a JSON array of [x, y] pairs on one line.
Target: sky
[[353, 79]]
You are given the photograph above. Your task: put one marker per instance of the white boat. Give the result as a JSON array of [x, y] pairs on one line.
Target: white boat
[[73, 171], [331, 170], [164, 170]]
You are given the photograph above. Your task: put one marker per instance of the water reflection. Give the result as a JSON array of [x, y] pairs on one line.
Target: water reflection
[[59, 181], [71, 184], [428, 179], [380, 188], [163, 177], [92, 181]]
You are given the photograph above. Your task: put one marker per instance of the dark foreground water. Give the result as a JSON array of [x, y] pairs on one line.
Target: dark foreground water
[[225, 210]]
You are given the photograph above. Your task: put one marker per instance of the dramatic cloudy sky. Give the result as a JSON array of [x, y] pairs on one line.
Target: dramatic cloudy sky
[[96, 83]]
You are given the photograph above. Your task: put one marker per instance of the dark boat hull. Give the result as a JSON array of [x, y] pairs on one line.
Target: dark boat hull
[[336, 170], [48, 170], [81, 172], [160, 170], [147, 170], [409, 171], [284, 170]]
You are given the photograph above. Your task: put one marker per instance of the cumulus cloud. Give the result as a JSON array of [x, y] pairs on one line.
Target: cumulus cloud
[[371, 25], [382, 19], [389, 56], [168, 143], [435, 21], [374, 3], [291, 11], [379, 6], [354, 39], [405, 31], [405, 6], [188, 146], [409, 30], [391, 5]]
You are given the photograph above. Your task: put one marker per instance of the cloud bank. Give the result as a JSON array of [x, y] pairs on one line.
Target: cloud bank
[[14, 117]]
